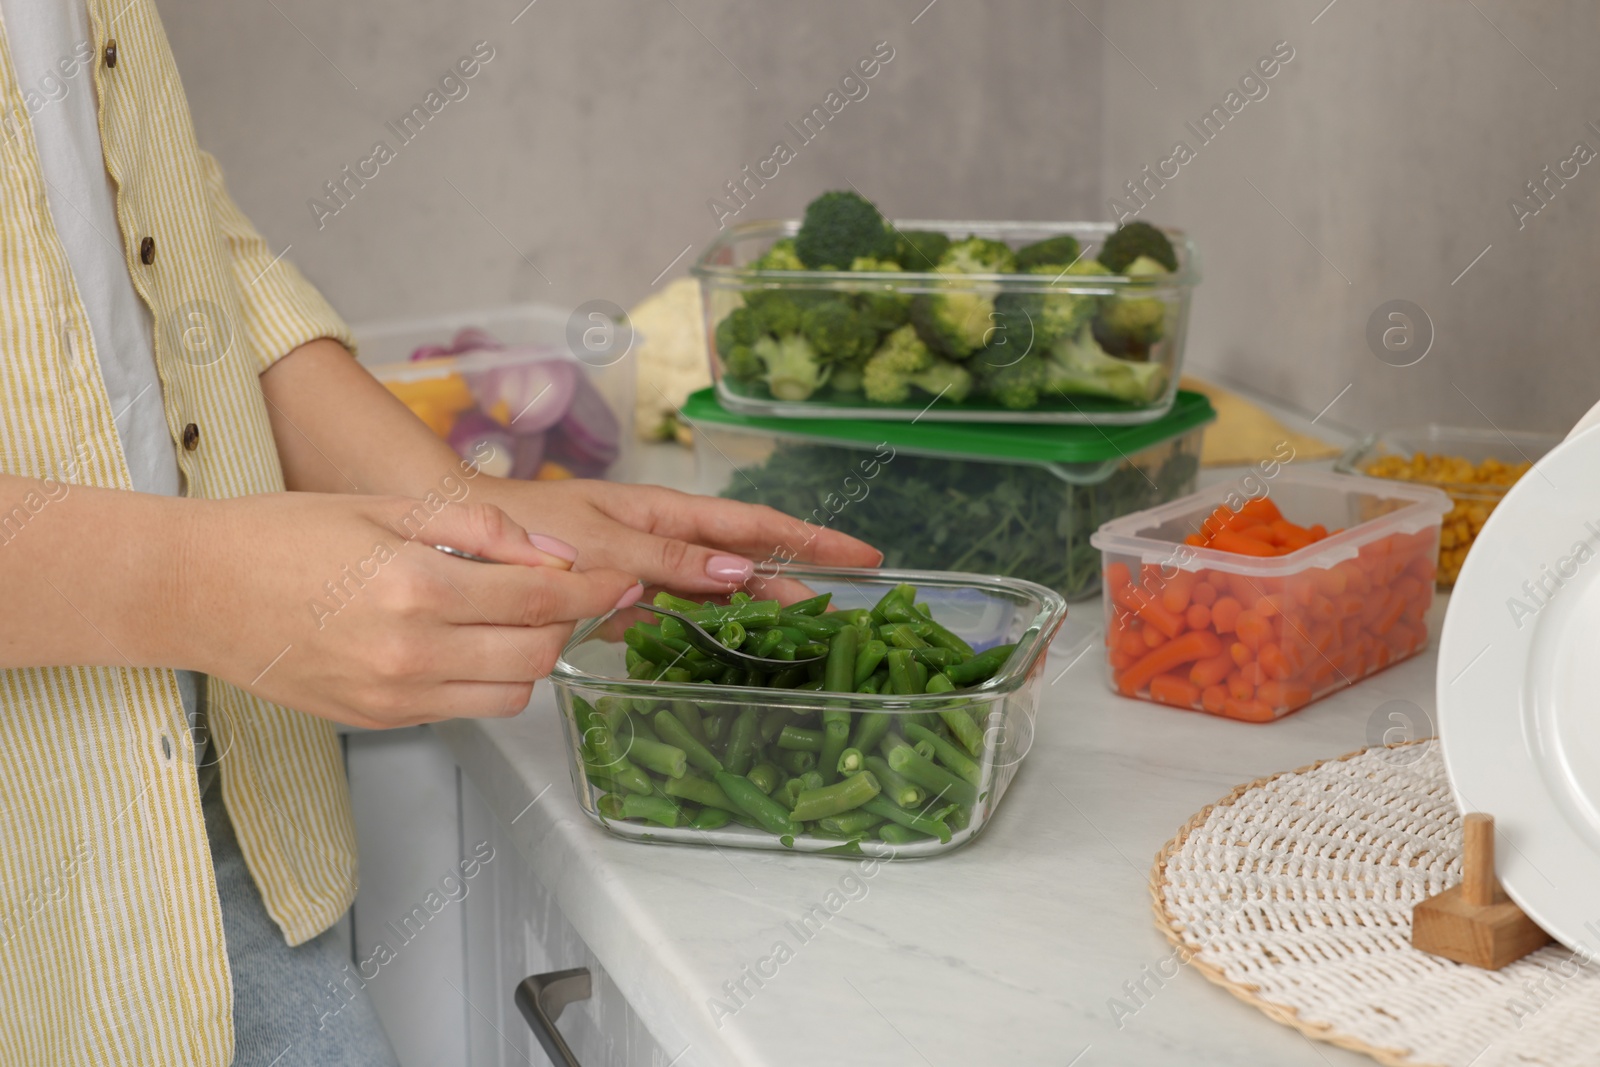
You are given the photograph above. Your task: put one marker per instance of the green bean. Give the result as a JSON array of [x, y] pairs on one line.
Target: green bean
[[754, 613], [739, 596], [810, 650], [894, 834], [716, 728], [688, 714], [967, 732], [870, 728], [815, 606], [700, 790], [789, 678], [868, 657], [841, 666], [648, 641], [796, 761], [669, 760], [797, 739], [711, 819], [793, 636], [772, 722], [922, 748], [666, 600], [979, 667], [732, 634], [850, 822], [948, 754], [656, 809], [897, 788], [906, 761], [879, 806], [756, 804], [814, 627], [609, 805], [633, 662], [850, 761], [841, 796], [935, 633], [935, 658], [835, 738], [677, 674], [673, 732], [902, 678], [673, 629], [868, 686], [766, 641], [901, 593], [766, 776], [741, 748], [600, 741], [899, 635]]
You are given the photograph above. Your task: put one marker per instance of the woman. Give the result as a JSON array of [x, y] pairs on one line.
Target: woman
[[165, 888]]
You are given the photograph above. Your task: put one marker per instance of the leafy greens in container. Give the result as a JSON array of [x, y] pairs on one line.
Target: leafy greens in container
[[1011, 500]]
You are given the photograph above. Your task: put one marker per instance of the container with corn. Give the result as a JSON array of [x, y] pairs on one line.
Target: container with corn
[[1474, 467]]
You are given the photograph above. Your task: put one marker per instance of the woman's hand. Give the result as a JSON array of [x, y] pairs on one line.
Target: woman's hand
[[339, 606], [692, 544]]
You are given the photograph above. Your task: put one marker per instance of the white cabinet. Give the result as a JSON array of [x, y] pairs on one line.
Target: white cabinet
[[466, 919]]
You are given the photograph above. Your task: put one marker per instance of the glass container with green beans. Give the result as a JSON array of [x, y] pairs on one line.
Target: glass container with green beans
[[900, 741]]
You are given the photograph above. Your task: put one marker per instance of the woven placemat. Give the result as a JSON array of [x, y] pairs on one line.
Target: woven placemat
[[1294, 893]]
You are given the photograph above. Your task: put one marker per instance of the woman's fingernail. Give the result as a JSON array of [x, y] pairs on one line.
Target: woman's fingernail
[[555, 546], [630, 598], [729, 568]]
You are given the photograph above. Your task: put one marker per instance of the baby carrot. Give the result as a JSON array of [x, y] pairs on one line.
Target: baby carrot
[[1229, 541], [1283, 695], [1196, 644], [1225, 614], [1148, 609], [1176, 592], [1214, 698], [1213, 671], [1174, 689], [1204, 593], [1248, 711], [1198, 616]]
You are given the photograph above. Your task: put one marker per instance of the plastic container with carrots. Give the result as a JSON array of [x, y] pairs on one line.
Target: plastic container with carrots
[[1253, 609]]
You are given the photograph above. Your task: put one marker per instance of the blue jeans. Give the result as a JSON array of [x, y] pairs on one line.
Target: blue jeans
[[281, 1002]]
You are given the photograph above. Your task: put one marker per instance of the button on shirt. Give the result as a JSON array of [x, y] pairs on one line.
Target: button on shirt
[[111, 943]]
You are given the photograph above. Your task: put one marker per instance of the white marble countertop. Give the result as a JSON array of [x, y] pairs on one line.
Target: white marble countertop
[[1009, 951]]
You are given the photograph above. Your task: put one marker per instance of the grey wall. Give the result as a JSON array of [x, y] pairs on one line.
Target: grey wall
[[1393, 142], [594, 138]]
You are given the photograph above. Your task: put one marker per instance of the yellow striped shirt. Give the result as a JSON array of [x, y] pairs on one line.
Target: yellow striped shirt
[[111, 945]]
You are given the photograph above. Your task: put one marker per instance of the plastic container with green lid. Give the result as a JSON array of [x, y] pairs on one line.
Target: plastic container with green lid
[[993, 498]]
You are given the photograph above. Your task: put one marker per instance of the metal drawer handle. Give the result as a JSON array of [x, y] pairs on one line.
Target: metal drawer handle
[[542, 997]]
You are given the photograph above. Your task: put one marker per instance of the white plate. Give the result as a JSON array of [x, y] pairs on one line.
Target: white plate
[[1519, 689]]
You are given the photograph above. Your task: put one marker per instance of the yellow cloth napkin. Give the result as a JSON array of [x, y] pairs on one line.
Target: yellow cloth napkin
[[1244, 433]]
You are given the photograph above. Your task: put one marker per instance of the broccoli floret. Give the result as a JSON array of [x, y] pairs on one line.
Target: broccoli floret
[[840, 226], [959, 321], [793, 371], [1134, 240], [920, 250], [777, 311], [886, 310], [1079, 366], [1039, 318], [1016, 385], [845, 380], [838, 331], [903, 362], [1128, 326], [1055, 252], [781, 256], [741, 326], [979, 255], [741, 363]]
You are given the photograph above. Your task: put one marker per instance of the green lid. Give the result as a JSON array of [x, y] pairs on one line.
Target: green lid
[[1044, 444]]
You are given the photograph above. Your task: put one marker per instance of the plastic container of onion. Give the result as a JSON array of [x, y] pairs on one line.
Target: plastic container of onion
[[667, 746]]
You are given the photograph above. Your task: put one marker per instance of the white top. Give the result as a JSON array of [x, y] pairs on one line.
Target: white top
[[53, 51]]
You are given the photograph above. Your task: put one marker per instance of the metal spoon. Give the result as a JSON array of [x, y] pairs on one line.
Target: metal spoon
[[459, 554], [700, 638]]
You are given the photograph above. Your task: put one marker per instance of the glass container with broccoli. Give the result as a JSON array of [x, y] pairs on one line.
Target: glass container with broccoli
[[846, 313]]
